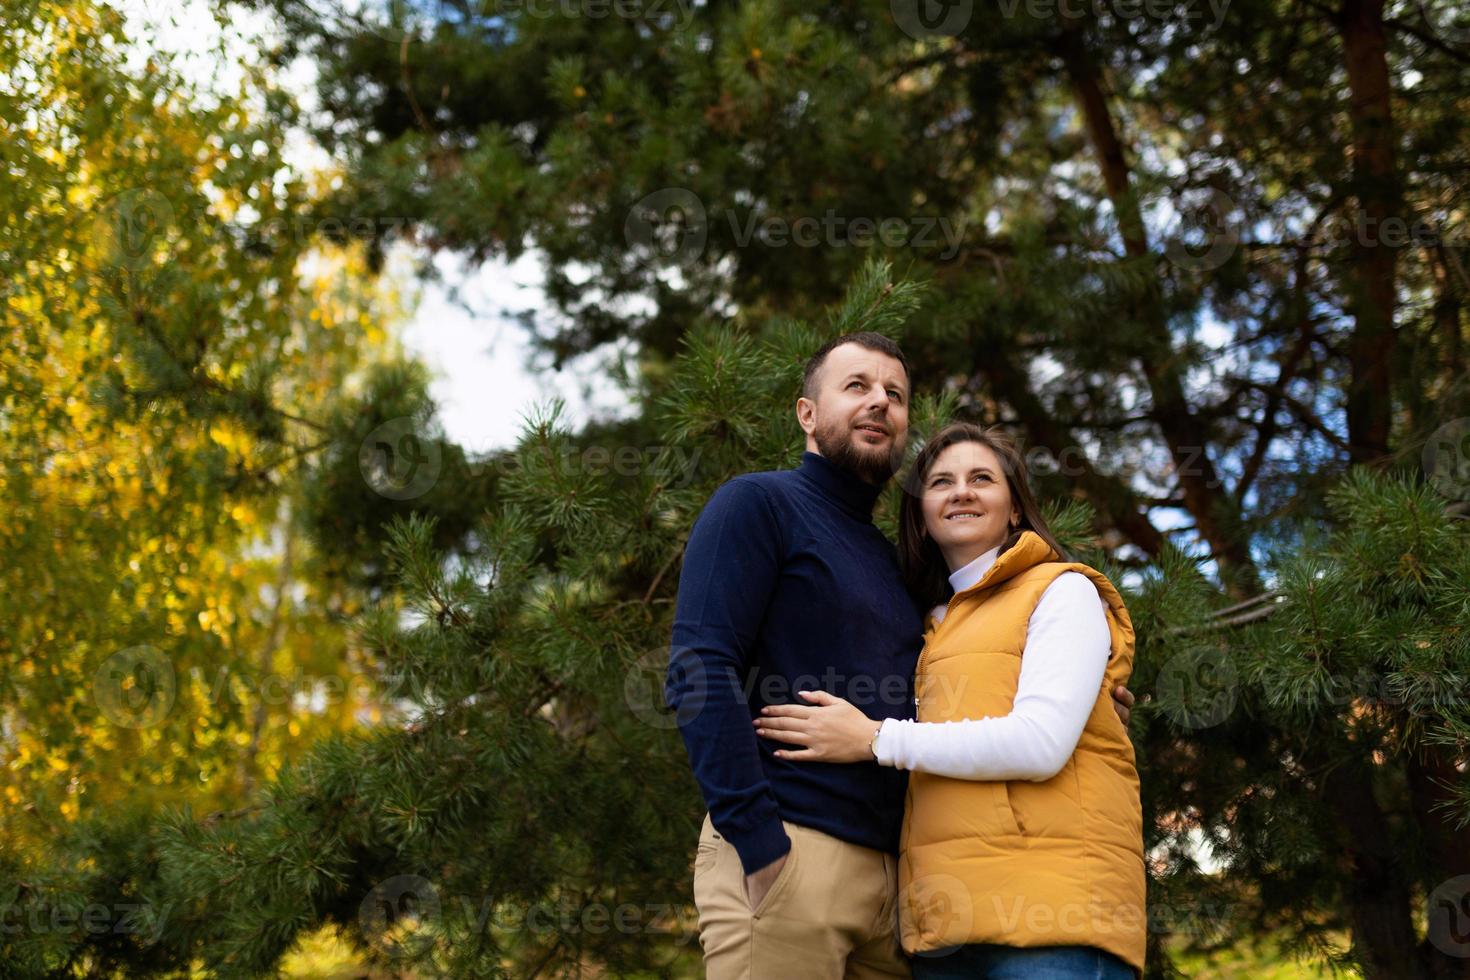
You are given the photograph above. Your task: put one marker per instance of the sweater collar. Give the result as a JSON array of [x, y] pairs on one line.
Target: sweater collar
[[851, 493]]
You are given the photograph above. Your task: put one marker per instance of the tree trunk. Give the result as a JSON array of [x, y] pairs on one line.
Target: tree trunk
[[1371, 284], [1377, 895], [1447, 308], [1187, 436], [1431, 774]]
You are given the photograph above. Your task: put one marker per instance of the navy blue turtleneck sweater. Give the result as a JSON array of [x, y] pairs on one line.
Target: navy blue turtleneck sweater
[[787, 586]]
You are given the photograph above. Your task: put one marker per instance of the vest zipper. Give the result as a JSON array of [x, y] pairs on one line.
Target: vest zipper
[[918, 672]]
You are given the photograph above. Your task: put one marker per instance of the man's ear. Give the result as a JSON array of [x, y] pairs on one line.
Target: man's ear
[[806, 415]]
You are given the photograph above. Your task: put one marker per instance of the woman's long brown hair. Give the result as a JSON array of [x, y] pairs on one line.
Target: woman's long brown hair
[[924, 570]]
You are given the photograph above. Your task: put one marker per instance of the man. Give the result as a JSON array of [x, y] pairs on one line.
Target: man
[[787, 586]]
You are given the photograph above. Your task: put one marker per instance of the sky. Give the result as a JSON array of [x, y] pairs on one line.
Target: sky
[[485, 384]]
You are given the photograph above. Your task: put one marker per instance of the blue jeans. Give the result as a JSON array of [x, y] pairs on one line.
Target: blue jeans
[[984, 961]]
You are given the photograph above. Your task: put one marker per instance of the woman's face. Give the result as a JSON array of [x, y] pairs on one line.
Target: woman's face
[[967, 503]]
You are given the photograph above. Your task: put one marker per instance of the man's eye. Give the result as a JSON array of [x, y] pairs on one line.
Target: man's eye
[[854, 384], [895, 395]]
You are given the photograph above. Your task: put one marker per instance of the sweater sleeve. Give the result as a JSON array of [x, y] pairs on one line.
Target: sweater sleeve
[[1067, 648], [731, 566]]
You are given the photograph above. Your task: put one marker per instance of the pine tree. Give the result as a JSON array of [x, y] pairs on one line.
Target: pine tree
[[532, 809], [1315, 736]]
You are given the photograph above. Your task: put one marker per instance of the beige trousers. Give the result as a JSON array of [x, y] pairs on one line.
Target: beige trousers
[[831, 914]]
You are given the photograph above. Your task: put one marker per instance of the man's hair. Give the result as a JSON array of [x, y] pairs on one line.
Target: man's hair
[[863, 338]]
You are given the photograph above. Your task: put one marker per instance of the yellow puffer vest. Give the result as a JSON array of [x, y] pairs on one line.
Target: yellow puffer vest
[[1022, 863]]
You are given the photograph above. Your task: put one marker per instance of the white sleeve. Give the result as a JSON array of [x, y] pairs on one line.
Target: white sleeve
[[1067, 647]]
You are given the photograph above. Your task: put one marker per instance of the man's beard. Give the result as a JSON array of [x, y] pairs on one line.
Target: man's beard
[[840, 447]]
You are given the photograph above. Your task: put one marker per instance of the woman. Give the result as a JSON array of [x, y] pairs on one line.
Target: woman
[[1022, 847]]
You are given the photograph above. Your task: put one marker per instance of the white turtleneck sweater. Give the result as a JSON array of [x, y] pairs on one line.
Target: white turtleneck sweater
[[1067, 647]]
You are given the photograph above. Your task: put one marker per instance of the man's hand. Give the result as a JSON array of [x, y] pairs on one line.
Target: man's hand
[[1123, 703], [757, 884]]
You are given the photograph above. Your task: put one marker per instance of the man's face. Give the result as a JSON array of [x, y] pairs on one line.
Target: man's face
[[859, 417]]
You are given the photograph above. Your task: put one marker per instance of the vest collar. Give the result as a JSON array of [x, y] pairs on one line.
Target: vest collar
[[967, 575], [849, 492], [1028, 552]]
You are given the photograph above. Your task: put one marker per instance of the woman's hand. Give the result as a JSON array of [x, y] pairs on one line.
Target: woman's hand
[[833, 730]]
